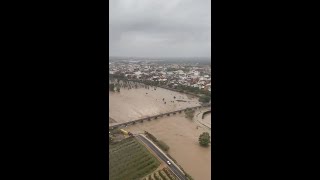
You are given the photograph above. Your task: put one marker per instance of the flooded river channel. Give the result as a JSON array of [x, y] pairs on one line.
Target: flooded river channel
[[128, 105], [181, 134]]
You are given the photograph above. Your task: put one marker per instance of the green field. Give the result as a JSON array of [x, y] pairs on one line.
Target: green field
[[163, 174], [130, 160]]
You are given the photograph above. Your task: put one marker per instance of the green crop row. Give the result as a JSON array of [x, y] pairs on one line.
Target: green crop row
[[133, 163], [125, 165], [156, 176], [163, 175], [120, 157], [125, 156], [123, 149], [169, 174], [122, 145], [133, 173], [130, 160]]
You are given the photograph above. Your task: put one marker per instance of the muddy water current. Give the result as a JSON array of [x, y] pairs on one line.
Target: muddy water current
[[128, 105]]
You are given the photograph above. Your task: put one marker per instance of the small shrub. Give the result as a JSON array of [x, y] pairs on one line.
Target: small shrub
[[204, 139], [163, 145], [189, 113], [204, 99]]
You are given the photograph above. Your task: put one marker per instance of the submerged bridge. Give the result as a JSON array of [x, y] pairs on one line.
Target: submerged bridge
[[156, 116]]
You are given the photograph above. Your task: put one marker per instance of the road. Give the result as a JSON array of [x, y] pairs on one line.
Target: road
[[160, 154]]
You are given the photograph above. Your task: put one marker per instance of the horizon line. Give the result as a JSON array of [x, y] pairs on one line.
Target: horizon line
[[161, 56]]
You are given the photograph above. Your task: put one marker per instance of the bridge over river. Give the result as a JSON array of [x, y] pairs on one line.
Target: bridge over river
[[149, 118]]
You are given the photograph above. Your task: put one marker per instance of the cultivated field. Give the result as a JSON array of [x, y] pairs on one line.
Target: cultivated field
[[163, 174], [130, 160]]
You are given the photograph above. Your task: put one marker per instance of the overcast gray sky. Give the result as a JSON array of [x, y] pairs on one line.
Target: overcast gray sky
[[160, 28]]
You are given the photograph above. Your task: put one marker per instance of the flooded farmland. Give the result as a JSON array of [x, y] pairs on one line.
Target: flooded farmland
[[181, 134], [128, 105]]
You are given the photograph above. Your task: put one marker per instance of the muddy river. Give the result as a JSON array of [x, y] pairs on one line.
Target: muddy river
[[128, 105], [206, 121], [181, 134]]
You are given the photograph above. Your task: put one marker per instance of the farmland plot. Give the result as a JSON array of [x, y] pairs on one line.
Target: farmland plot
[[163, 174], [129, 160]]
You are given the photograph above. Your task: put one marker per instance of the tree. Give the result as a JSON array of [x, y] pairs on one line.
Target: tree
[[204, 139], [189, 113], [111, 87], [204, 99]]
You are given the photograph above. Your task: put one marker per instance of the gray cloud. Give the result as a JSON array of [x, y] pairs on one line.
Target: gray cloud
[[160, 28]]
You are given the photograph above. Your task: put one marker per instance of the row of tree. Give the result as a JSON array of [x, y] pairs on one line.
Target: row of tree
[[130, 84], [204, 99], [112, 88], [191, 89], [205, 96], [160, 143]]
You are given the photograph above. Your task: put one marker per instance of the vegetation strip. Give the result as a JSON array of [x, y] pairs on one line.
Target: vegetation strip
[[130, 160], [159, 143]]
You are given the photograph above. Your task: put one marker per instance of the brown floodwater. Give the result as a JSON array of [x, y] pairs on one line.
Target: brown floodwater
[[206, 121], [181, 134], [128, 105]]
